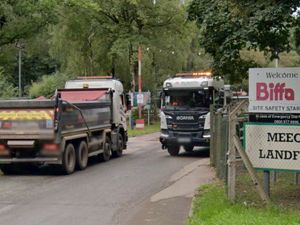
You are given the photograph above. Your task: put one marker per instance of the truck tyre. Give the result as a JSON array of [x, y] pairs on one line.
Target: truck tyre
[[173, 150], [82, 155], [119, 151], [69, 159], [188, 148], [105, 156]]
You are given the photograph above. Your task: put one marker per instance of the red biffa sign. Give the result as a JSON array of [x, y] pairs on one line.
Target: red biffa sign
[[274, 90]]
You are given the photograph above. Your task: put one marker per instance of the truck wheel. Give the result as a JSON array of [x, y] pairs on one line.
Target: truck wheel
[[82, 154], [119, 151], [188, 148], [9, 169], [173, 150], [105, 156], [69, 160]]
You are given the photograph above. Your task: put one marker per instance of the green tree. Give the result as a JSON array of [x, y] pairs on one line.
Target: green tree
[[47, 85], [7, 90], [22, 19], [102, 35], [229, 26], [24, 23], [93, 37]]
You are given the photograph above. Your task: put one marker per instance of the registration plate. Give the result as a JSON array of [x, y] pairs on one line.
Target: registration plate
[[184, 140]]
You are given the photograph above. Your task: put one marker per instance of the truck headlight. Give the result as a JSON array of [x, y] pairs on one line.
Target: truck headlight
[[168, 84], [203, 116], [206, 134], [169, 117]]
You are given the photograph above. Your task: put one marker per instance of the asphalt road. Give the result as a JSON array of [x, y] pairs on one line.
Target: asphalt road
[[145, 186]]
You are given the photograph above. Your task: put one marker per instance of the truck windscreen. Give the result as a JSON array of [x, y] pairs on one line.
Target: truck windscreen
[[182, 99]]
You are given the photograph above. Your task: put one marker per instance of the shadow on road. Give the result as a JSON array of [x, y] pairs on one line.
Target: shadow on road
[[197, 153], [46, 170]]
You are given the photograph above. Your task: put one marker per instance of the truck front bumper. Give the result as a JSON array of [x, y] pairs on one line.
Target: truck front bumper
[[169, 138]]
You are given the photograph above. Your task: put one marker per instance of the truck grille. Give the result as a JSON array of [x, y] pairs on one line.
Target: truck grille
[[188, 134], [186, 122], [187, 126]]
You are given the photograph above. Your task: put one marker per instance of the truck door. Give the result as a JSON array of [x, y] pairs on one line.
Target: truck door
[[122, 111]]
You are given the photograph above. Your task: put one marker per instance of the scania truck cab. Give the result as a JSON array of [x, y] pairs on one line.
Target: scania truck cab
[[185, 102]]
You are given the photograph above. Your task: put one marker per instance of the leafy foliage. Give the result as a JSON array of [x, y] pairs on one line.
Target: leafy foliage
[[7, 90], [228, 26], [103, 36], [47, 85], [22, 19], [22, 26], [93, 37]]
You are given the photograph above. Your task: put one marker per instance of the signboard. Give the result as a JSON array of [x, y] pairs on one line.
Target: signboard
[[274, 90], [275, 118], [144, 98], [140, 99], [271, 146]]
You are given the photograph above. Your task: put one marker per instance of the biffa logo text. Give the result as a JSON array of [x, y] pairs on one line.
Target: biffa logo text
[[274, 92]]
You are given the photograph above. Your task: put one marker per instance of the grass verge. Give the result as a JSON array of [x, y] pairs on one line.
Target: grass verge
[[284, 192], [211, 207], [155, 127]]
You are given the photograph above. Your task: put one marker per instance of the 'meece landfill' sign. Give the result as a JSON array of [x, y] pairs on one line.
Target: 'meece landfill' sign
[[274, 90], [270, 146]]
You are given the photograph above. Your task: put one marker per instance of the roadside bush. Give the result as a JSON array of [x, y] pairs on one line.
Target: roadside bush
[[47, 85], [7, 90]]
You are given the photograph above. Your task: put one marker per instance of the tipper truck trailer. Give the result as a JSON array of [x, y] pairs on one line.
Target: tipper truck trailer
[[85, 119]]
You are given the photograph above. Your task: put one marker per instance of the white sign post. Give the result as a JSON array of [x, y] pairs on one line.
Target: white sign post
[[140, 99], [271, 146], [274, 90]]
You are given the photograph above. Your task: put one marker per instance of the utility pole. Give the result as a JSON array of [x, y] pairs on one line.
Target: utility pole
[[276, 60], [140, 77], [20, 72], [267, 182], [140, 123], [20, 47]]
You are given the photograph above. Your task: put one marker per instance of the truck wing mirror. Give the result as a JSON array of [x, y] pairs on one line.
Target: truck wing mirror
[[158, 103], [128, 101], [159, 99]]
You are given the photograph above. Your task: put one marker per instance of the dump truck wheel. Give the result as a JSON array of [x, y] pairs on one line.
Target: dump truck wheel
[[119, 151], [69, 159], [173, 150], [105, 156], [82, 155]]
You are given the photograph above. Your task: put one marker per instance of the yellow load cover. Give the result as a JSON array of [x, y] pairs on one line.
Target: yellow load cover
[[26, 115]]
